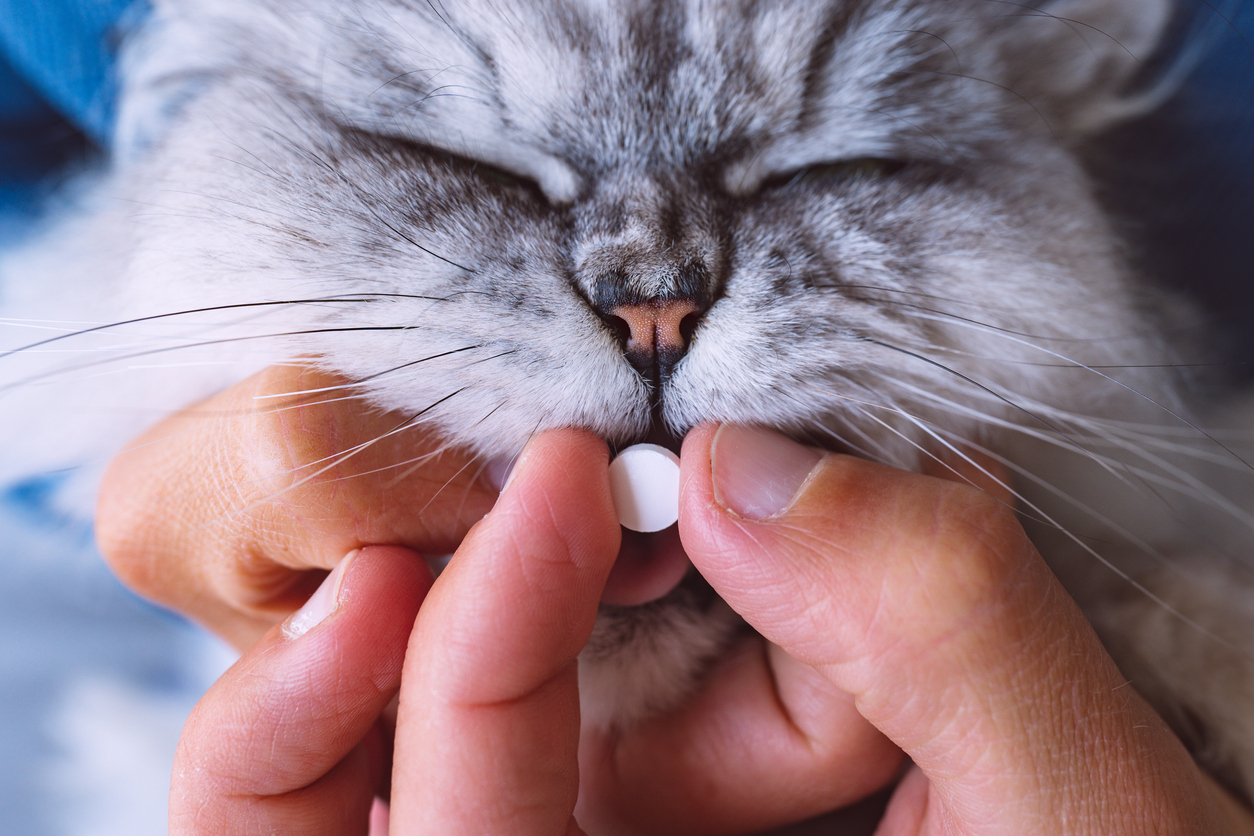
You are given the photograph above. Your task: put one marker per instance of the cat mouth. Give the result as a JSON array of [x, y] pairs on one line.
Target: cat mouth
[[649, 565], [662, 435]]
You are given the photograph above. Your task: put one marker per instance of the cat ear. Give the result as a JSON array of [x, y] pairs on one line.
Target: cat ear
[[1077, 59]]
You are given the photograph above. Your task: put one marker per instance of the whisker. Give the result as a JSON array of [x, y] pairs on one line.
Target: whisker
[[1136, 479], [368, 378], [329, 462], [1079, 541], [967, 379], [356, 297], [1115, 528], [960, 453], [1131, 389], [860, 449], [202, 344]]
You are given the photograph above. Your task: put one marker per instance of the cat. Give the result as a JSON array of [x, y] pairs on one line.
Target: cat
[[865, 223]]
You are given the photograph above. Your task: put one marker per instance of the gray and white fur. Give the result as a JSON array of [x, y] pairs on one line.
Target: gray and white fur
[[876, 206]]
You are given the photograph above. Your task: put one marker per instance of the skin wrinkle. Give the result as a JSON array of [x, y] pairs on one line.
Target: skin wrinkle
[[564, 561], [812, 738], [546, 573], [267, 591], [276, 723], [470, 648], [759, 745], [281, 716], [1012, 717], [1048, 736], [540, 797], [870, 629]]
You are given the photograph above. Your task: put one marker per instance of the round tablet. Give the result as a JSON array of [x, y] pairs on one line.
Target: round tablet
[[644, 481]]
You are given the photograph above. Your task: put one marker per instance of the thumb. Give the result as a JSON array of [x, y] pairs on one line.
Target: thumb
[[925, 600]]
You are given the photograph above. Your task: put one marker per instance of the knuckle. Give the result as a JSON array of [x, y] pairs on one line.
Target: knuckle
[[977, 558]]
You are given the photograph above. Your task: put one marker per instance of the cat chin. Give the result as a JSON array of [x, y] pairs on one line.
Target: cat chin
[[645, 661]]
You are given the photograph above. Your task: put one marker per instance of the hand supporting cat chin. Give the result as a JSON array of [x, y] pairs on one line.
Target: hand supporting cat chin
[[233, 511], [903, 608]]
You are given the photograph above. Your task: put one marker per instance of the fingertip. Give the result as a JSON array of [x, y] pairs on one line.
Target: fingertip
[[562, 477], [739, 494], [539, 561], [491, 678], [758, 473], [696, 490], [365, 571], [498, 471], [908, 804]]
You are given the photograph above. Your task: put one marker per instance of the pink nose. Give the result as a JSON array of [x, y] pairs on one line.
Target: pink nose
[[655, 326]]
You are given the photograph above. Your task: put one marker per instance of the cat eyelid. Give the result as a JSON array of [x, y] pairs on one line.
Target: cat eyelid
[[491, 173], [548, 178], [501, 176], [551, 182], [835, 171]]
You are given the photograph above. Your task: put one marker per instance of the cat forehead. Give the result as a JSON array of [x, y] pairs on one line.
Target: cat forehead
[[561, 90]]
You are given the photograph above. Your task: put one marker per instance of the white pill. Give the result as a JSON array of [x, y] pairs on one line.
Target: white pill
[[644, 481]]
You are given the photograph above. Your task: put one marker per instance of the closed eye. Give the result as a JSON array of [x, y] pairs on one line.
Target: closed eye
[[499, 176], [485, 172], [833, 173]]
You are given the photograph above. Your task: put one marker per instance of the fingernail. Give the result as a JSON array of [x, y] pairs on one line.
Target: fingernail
[[758, 472], [324, 601]]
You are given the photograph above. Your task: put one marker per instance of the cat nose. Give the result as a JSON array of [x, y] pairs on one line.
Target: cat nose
[[657, 326], [656, 333]]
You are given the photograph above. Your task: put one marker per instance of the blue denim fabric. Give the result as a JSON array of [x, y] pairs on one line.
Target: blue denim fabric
[[56, 94], [1193, 174], [65, 50], [1188, 173]]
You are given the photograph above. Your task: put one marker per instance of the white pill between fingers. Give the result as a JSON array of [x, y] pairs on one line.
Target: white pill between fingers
[[644, 482]]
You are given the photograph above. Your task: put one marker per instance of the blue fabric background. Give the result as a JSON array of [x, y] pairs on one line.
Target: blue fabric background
[[94, 682], [65, 50], [1186, 177], [56, 91], [70, 636]]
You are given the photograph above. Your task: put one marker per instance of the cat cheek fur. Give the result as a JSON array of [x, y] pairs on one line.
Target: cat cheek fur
[[446, 206]]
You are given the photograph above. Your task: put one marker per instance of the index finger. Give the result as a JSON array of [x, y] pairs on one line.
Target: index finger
[[488, 727], [232, 511]]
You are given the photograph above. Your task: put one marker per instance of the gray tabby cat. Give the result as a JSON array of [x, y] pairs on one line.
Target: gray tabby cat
[[862, 222]]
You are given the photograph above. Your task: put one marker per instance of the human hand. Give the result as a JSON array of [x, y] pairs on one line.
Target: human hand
[[487, 728], [771, 739], [233, 510], [916, 606], [924, 602]]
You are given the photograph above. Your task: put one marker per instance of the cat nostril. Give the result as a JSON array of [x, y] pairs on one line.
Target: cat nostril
[[655, 333], [688, 326], [618, 325]]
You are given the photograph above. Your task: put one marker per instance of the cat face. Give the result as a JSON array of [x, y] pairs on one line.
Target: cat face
[[860, 222], [867, 210]]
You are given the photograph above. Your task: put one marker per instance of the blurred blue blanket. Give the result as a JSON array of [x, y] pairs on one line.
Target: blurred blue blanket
[[94, 683]]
